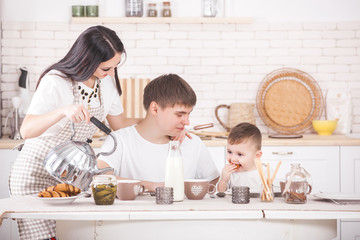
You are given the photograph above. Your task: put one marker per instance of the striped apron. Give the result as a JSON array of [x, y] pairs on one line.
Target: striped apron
[[28, 175]]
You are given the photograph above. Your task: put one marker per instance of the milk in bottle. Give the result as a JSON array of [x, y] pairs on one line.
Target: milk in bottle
[[174, 175]]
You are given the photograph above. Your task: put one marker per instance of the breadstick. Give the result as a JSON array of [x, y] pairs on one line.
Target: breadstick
[[266, 189], [275, 172], [268, 174]]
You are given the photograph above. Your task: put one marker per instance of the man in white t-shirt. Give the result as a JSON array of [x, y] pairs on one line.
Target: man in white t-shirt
[[142, 149]]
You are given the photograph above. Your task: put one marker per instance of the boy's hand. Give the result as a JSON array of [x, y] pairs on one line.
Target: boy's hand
[[225, 177], [227, 171]]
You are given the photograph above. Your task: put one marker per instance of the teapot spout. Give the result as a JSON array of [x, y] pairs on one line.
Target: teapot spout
[[103, 170]]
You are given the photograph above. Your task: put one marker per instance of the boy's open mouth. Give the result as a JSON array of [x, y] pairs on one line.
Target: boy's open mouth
[[238, 165]]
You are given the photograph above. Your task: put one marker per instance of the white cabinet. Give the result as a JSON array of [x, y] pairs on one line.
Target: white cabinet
[[350, 169], [349, 230], [7, 158], [322, 162], [349, 183], [8, 228]]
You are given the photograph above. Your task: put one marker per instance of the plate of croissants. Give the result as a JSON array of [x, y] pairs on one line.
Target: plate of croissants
[[61, 193]]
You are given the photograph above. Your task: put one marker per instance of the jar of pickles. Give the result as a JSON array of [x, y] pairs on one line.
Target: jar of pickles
[[104, 189]]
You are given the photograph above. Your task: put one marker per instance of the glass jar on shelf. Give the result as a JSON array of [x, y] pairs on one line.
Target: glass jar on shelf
[[134, 8], [166, 12], [209, 8], [152, 12]]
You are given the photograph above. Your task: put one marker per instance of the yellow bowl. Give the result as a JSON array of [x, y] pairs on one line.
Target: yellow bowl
[[324, 127]]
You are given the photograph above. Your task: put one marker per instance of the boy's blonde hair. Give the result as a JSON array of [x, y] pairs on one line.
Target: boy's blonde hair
[[245, 131], [169, 90]]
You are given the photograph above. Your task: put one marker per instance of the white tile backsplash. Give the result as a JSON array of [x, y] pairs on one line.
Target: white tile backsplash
[[224, 63]]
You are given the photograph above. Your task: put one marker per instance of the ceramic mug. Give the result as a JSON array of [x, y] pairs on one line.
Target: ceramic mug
[[129, 189], [196, 189], [237, 113]]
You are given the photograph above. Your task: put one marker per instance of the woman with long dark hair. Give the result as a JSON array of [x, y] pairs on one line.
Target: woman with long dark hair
[[83, 84]]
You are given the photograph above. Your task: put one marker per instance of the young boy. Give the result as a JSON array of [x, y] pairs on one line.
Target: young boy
[[243, 147], [142, 149]]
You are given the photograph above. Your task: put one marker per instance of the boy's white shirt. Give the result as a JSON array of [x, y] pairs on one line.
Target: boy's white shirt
[[137, 158], [249, 179]]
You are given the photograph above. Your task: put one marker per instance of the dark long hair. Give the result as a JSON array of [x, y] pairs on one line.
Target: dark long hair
[[95, 45]]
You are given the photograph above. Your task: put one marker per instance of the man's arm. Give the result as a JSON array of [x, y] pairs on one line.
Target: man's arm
[[149, 186]]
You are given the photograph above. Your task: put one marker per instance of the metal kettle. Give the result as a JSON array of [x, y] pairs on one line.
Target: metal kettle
[[74, 162]]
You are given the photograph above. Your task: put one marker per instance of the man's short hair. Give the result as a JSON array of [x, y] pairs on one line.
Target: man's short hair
[[167, 91], [243, 132]]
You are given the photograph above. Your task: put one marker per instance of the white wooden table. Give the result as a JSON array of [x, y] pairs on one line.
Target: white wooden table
[[209, 218]]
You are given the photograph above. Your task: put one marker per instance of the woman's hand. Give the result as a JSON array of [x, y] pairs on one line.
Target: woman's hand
[[151, 186], [77, 113], [35, 125]]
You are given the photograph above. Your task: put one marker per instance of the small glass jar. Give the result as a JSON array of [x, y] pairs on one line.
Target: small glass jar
[[104, 189], [166, 12], [267, 193], [134, 8], [240, 194], [152, 12], [209, 8]]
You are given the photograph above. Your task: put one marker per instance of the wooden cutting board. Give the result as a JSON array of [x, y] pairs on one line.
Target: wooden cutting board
[[211, 134]]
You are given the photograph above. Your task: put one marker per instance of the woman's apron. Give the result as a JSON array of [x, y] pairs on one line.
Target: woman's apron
[[28, 175]]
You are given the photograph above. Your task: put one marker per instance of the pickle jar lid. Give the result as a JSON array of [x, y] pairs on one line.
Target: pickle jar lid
[[104, 179]]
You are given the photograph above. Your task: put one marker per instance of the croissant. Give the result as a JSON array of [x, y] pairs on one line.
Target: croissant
[[63, 187], [52, 194]]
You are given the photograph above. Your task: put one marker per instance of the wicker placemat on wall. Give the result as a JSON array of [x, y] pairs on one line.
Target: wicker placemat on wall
[[288, 100]]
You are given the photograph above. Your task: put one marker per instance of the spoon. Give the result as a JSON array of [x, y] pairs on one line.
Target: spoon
[[85, 194], [221, 194]]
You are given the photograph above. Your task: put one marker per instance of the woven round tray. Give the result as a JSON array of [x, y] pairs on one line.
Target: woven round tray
[[288, 100]]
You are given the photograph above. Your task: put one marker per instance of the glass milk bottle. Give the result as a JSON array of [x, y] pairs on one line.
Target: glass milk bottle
[[174, 175]]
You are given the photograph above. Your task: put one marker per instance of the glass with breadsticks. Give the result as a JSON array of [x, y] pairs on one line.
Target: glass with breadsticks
[[267, 191]]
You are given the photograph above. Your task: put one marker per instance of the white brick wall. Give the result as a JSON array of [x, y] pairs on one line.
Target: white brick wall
[[224, 63]]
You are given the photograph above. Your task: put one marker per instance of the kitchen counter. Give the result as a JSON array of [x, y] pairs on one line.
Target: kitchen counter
[[306, 140], [315, 217]]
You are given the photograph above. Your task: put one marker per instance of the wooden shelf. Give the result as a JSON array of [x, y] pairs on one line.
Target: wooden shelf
[[219, 20]]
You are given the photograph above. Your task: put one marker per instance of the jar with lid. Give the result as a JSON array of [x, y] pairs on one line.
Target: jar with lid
[[152, 12], [297, 184], [166, 12], [134, 8], [209, 8], [104, 189]]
